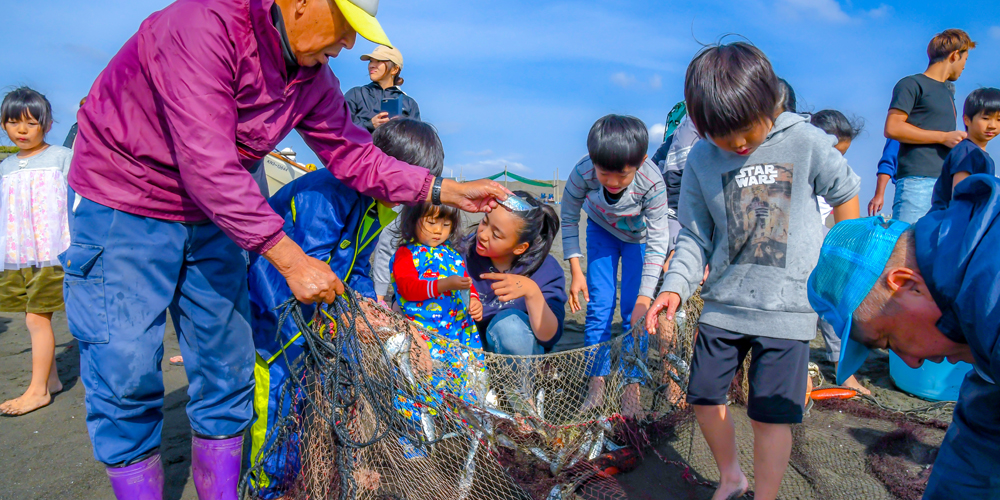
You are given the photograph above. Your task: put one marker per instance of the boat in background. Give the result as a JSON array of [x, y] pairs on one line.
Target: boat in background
[[281, 168]]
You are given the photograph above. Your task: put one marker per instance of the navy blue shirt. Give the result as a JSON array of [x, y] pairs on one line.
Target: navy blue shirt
[[957, 256], [966, 156], [550, 278]]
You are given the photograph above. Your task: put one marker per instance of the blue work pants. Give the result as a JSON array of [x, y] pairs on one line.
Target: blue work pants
[[123, 272]]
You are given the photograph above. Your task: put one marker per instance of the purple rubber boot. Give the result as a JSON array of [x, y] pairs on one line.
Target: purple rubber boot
[[215, 466], [139, 481]]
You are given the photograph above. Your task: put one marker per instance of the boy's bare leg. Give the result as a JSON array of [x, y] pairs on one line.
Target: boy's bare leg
[[719, 429], [44, 377], [631, 403], [772, 447], [595, 394]]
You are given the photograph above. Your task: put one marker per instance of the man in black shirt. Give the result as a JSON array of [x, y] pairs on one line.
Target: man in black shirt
[[922, 118]]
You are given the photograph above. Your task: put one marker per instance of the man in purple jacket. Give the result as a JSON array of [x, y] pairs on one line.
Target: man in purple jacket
[[164, 210]]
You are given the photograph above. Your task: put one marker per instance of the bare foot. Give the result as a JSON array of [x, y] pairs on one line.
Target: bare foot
[[595, 395], [631, 405], [732, 491], [852, 383], [27, 403], [176, 360], [55, 387]]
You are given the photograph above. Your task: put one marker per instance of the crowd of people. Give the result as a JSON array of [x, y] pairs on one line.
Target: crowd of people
[[154, 210]]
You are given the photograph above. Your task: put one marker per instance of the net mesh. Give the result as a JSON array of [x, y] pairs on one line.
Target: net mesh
[[372, 420]]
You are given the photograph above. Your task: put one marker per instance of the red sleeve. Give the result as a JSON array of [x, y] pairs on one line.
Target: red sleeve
[[408, 283], [472, 291]]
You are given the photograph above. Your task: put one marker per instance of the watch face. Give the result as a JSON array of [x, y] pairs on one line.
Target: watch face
[[515, 203]]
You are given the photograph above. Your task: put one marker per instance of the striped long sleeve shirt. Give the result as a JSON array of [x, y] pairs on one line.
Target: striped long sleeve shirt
[[639, 216]]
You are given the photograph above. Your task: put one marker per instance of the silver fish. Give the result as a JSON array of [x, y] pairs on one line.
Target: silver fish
[[540, 404], [598, 446], [427, 424], [469, 471]]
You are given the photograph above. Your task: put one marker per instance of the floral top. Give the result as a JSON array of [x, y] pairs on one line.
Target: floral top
[[33, 208]]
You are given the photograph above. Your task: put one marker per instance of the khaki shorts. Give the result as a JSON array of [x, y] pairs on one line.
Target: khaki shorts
[[32, 289]]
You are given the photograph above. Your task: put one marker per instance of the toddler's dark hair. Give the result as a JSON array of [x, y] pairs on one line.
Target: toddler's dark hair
[[983, 99], [834, 122], [617, 141], [409, 220], [24, 101], [729, 88], [787, 96], [540, 227], [412, 141]]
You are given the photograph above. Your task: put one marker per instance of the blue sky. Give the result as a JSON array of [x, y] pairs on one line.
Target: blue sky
[[519, 83]]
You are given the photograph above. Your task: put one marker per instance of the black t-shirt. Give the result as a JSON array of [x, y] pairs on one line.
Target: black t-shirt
[[929, 105], [966, 156]]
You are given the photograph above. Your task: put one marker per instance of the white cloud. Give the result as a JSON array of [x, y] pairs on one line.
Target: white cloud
[[828, 10], [622, 79], [656, 81], [656, 133], [995, 32], [880, 12]]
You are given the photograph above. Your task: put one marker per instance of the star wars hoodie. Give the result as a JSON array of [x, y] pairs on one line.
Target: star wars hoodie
[[756, 222]]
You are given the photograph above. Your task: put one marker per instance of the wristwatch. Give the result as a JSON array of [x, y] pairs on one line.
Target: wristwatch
[[436, 191]]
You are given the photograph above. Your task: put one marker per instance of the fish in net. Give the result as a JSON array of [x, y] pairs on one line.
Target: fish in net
[[382, 409]]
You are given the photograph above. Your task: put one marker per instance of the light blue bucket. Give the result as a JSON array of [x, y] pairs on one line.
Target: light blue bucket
[[933, 381]]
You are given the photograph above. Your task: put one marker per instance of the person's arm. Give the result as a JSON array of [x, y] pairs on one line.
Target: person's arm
[[574, 194], [656, 213], [897, 128], [411, 287], [414, 109], [388, 241], [355, 106], [878, 201], [508, 287], [349, 154], [835, 181]]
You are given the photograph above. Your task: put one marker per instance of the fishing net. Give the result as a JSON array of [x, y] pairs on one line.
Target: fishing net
[[376, 416]]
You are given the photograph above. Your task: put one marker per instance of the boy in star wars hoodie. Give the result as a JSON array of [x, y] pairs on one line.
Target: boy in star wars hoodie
[[748, 208]]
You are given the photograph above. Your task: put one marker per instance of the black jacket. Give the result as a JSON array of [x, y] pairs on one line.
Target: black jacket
[[366, 101]]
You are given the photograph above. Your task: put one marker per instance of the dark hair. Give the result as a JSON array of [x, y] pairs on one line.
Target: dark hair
[[539, 230], [946, 42], [983, 99], [24, 101], [787, 96], [412, 141], [729, 88], [398, 79], [617, 141], [834, 122], [409, 220]]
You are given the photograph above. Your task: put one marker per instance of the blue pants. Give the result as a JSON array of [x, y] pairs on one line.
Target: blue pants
[[967, 463], [510, 333], [912, 199], [123, 272], [604, 251]]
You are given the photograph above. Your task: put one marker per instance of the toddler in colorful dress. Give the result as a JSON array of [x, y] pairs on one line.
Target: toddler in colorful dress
[[34, 230], [434, 291]]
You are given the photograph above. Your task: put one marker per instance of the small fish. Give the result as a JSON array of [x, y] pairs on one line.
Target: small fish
[[598, 446], [540, 404], [515, 203], [427, 424], [469, 471]]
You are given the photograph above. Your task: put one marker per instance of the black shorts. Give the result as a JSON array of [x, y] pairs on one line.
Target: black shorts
[[778, 371]]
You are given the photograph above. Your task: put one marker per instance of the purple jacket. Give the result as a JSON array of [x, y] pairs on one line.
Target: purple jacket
[[193, 99]]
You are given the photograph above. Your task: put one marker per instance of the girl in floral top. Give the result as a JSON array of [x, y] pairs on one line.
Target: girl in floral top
[[33, 232]]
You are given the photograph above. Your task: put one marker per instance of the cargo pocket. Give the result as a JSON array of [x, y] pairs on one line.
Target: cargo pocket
[[83, 287]]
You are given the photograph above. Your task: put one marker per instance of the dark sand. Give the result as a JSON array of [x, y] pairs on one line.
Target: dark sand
[[47, 454]]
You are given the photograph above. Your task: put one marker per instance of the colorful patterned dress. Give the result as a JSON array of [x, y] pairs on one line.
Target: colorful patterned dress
[[457, 370]]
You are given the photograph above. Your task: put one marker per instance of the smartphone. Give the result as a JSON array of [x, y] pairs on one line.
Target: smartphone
[[392, 106]]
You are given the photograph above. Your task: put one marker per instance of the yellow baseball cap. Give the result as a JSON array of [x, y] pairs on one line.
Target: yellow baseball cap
[[361, 16]]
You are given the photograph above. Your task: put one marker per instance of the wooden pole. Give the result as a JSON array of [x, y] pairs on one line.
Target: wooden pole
[[505, 176]]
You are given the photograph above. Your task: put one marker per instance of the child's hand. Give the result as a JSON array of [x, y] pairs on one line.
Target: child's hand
[[476, 309], [667, 300], [875, 206], [452, 283], [512, 286], [640, 309], [578, 284]]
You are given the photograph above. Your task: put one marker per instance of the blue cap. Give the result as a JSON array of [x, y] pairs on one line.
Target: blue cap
[[851, 261]]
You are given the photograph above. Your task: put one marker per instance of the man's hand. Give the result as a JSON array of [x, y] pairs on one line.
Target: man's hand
[[578, 284], [452, 283], [951, 139], [475, 196], [875, 206], [310, 280], [476, 309], [380, 119], [640, 309], [667, 300]]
